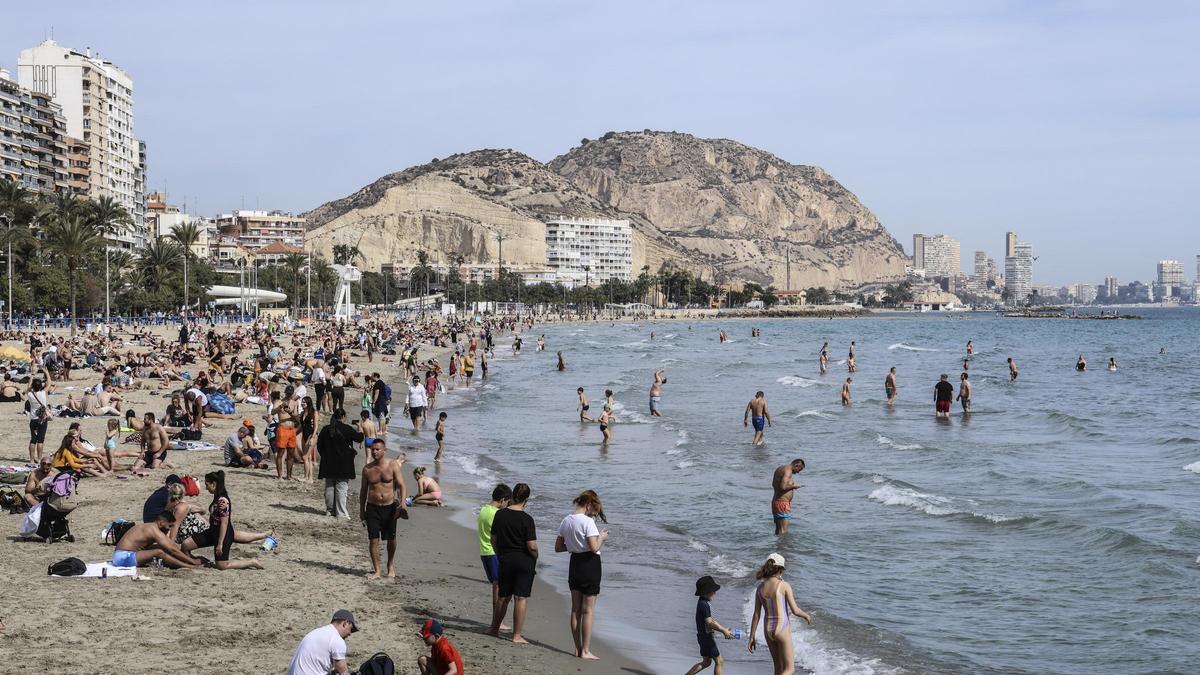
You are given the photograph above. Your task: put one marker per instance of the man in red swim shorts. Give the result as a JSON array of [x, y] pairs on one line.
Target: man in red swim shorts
[[943, 394]]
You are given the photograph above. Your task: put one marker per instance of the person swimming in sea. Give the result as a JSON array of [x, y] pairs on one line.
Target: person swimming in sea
[[1112, 363], [1081, 364], [846, 392], [562, 365]]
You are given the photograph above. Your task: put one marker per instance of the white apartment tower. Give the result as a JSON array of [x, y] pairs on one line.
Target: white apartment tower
[[1170, 279], [589, 250], [938, 255], [1018, 273], [96, 98]]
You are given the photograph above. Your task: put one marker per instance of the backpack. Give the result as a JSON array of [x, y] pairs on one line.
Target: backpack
[[71, 567], [379, 664], [387, 392], [190, 487], [220, 404], [189, 434], [12, 501], [62, 491], [115, 530]]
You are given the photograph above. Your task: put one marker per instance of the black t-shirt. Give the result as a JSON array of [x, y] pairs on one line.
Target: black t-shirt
[[155, 504], [945, 391], [512, 529], [703, 612], [380, 391]]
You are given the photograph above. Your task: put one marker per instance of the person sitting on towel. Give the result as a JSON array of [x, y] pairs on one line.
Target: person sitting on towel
[[146, 541]]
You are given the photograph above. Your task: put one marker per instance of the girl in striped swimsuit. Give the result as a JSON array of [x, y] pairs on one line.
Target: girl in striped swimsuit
[[774, 603]]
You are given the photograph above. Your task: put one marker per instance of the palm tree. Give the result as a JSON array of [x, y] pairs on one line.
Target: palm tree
[[159, 259], [325, 277], [294, 262], [72, 238], [16, 208], [63, 204], [345, 254], [110, 219], [186, 235]]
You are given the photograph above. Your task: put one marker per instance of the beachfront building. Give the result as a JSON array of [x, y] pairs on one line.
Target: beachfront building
[[1018, 273], [96, 99], [1170, 280], [162, 218], [1084, 293], [256, 229], [589, 250], [33, 146], [937, 254], [1110, 290], [1010, 244]]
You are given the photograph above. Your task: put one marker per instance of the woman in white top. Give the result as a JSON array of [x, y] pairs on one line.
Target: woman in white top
[[579, 536], [39, 417]]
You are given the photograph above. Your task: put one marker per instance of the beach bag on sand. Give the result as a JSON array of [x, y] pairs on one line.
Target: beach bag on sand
[[220, 404], [190, 487], [63, 492], [12, 501], [115, 530], [379, 664], [70, 567]]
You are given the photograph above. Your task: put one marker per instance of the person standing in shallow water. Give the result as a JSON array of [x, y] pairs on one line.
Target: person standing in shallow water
[[889, 386], [784, 486], [943, 393], [964, 392], [756, 410], [775, 603]]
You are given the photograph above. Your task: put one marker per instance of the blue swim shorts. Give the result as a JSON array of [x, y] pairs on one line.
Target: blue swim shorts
[[124, 558], [759, 423]]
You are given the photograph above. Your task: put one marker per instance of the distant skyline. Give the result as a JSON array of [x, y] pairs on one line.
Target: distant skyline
[[1077, 125]]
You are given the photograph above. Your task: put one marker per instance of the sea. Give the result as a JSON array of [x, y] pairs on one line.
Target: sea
[[1054, 529]]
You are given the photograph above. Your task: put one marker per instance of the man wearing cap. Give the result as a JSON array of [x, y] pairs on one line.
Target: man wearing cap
[[443, 658], [323, 650]]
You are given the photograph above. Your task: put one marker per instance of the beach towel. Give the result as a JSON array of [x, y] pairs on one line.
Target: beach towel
[[97, 570], [192, 445]]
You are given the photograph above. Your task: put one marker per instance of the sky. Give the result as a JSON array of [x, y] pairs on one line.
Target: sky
[[1075, 124]]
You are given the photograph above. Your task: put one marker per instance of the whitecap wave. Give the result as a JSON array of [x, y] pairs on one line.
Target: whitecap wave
[[729, 566], [487, 479], [796, 381], [686, 463], [683, 438], [697, 545], [884, 440], [901, 345], [891, 494], [815, 413], [1193, 467]]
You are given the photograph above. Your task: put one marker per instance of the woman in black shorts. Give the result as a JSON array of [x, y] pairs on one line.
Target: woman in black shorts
[[39, 418], [514, 538], [579, 535], [219, 534]]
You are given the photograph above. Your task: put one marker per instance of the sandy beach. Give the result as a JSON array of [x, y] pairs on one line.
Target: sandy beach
[[207, 621]]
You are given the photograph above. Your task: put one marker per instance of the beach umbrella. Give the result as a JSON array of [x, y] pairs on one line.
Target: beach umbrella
[[10, 353]]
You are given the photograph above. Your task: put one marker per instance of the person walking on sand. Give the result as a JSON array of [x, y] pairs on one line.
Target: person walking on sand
[[943, 393], [1012, 370], [774, 604], [514, 538], [706, 625], [336, 447], [889, 386], [660, 378], [381, 499], [846, 392], [964, 392], [579, 536], [756, 409], [783, 487]]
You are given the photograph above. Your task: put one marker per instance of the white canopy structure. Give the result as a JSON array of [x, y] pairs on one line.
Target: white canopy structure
[[243, 296]]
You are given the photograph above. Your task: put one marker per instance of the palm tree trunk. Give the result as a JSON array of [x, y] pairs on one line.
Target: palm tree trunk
[[105, 287], [74, 318], [185, 284]]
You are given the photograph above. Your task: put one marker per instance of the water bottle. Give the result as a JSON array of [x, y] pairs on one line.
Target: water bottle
[[737, 633]]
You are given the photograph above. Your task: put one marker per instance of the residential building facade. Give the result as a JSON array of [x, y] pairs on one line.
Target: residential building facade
[[589, 250], [256, 229], [937, 254], [96, 98], [33, 146], [1170, 280], [1018, 273]]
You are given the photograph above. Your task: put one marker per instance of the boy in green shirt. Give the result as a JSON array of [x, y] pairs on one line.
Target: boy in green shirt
[[491, 564]]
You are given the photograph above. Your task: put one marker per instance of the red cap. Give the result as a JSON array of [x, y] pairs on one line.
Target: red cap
[[431, 627]]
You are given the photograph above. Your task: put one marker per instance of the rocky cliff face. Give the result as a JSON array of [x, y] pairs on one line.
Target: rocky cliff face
[[714, 206], [738, 208]]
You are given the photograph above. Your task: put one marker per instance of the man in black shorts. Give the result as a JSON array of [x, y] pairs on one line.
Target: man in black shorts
[[381, 501]]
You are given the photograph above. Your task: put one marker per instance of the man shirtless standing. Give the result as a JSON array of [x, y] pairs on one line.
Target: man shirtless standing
[[660, 378], [964, 392], [756, 409], [889, 386], [784, 486], [285, 433], [154, 445], [380, 503], [1012, 370]]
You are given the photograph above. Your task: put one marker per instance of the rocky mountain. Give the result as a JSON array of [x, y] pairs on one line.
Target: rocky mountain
[[715, 206]]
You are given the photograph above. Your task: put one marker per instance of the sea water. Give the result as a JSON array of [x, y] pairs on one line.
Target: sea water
[[1055, 529]]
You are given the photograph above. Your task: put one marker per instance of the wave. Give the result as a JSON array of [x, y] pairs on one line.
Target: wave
[[683, 438], [698, 546], [815, 655], [729, 566], [1193, 467], [895, 494], [685, 463], [487, 479], [884, 440], [815, 413], [901, 345], [796, 381], [1178, 440]]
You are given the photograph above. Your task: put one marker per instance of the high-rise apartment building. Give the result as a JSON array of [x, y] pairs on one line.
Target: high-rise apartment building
[[256, 229], [937, 254], [1170, 280], [1010, 244], [33, 145], [96, 98], [1110, 289], [1018, 273], [589, 250]]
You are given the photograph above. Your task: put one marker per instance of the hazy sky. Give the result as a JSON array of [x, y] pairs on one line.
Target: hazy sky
[[1077, 124]]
